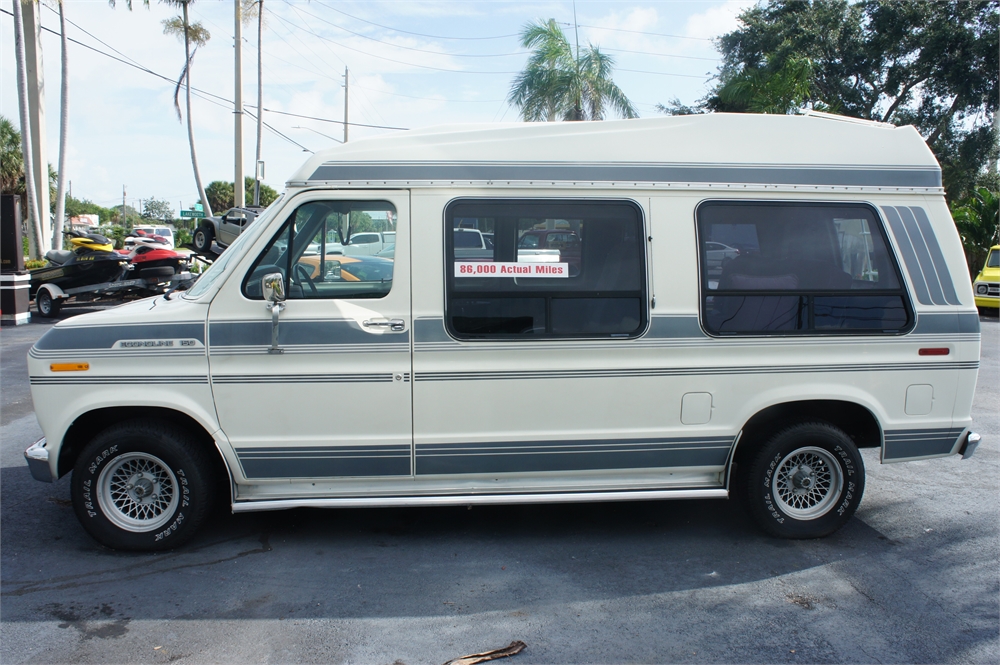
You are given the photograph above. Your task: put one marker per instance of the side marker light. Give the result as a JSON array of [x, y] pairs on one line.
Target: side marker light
[[69, 367]]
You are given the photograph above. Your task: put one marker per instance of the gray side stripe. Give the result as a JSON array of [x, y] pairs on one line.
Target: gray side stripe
[[305, 378], [689, 371], [528, 456], [937, 256], [326, 461], [297, 333], [923, 255], [427, 330], [765, 175], [103, 337], [946, 322], [909, 257], [114, 380], [900, 444]]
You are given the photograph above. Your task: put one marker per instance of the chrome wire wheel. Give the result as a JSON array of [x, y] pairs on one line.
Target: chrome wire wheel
[[138, 492], [807, 483]]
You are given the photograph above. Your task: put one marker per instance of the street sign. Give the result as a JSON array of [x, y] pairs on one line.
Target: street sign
[[192, 213], [199, 207]]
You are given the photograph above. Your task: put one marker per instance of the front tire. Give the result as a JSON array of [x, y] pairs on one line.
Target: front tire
[[202, 240], [142, 485], [805, 482]]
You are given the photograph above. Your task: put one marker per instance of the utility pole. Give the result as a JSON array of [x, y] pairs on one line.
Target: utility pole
[[35, 74], [345, 104], [123, 206], [239, 194], [258, 171]]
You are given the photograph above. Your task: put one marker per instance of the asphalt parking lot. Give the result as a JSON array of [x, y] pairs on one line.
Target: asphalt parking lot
[[913, 578]]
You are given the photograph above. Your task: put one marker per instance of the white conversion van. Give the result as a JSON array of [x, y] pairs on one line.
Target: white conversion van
[[737, 304]]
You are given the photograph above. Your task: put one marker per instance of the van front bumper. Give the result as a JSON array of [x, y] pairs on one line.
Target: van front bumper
[[38, 461]]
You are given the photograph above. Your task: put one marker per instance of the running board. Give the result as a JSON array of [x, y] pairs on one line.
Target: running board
[[476, 499]]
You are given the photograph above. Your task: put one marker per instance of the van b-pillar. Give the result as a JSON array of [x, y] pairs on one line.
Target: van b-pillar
[[14, 280]]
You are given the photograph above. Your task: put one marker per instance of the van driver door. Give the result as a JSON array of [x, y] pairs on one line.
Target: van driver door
[[321, 390]]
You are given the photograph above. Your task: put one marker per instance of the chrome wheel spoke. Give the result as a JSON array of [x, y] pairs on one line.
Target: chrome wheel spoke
[[137, 492], [807, 483]]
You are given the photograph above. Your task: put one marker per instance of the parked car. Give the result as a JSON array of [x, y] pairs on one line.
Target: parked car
[[550, 245], [224, 229], [164, 233], [367, 243], [987, 284]]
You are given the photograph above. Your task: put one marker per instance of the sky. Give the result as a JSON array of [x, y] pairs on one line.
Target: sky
[[412, 64]]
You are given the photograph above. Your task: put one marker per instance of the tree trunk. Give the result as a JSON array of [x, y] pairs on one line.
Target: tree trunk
[[190, 126], [260, 96], [35, 237], [57, 223]]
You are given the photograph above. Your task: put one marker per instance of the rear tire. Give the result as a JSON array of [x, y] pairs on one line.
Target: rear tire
[[142, 485], [806, 481], [202, 240], [47, 305]]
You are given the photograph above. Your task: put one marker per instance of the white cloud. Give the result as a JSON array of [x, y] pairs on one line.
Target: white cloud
[[718, 20]]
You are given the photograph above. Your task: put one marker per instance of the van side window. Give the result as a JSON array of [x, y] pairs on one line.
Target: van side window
[[314, 252], [529, 269], [784, 268]]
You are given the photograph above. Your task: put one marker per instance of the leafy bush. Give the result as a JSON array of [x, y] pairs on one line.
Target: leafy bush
[[34, 264], [978, 222]]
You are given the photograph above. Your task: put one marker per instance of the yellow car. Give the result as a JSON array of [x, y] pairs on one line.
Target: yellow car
[[987, 284]]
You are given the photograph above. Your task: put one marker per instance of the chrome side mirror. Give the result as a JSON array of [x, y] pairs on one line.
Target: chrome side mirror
[[272, 286]]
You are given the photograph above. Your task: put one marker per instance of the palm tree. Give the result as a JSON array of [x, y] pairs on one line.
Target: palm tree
[[556, 83], [57, 223], [36, 238], [197, 33]]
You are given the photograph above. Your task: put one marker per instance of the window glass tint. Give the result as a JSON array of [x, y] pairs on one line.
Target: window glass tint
[[312, 255], [993, 260], [545, 269], [797, 268]]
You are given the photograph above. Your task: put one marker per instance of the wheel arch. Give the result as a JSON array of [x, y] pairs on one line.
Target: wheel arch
[[856, 420], [89, 424]]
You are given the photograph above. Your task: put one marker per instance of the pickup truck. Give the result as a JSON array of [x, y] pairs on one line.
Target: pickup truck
[[224, 229]]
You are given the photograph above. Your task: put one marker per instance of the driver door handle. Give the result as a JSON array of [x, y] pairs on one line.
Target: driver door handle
[[395, 325]]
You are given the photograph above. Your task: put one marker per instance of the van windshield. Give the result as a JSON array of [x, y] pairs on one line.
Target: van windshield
[[232, 253]]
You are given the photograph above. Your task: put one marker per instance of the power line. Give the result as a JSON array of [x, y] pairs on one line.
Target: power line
[[430, 99], [203, 94], [382, 57], [407, 32], [643, 71], [408, 48], [338, 122], [362, 98], [663, 55], [640, 32]]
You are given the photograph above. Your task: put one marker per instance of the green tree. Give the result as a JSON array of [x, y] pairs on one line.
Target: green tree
[[220, 194], [555, 83], [11, 159], [12, 180], [978, 222], [75, 207], [156, 209], [927, 63]]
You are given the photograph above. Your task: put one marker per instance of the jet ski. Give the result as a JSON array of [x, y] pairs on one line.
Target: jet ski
[[90, 261], [154, 260]]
